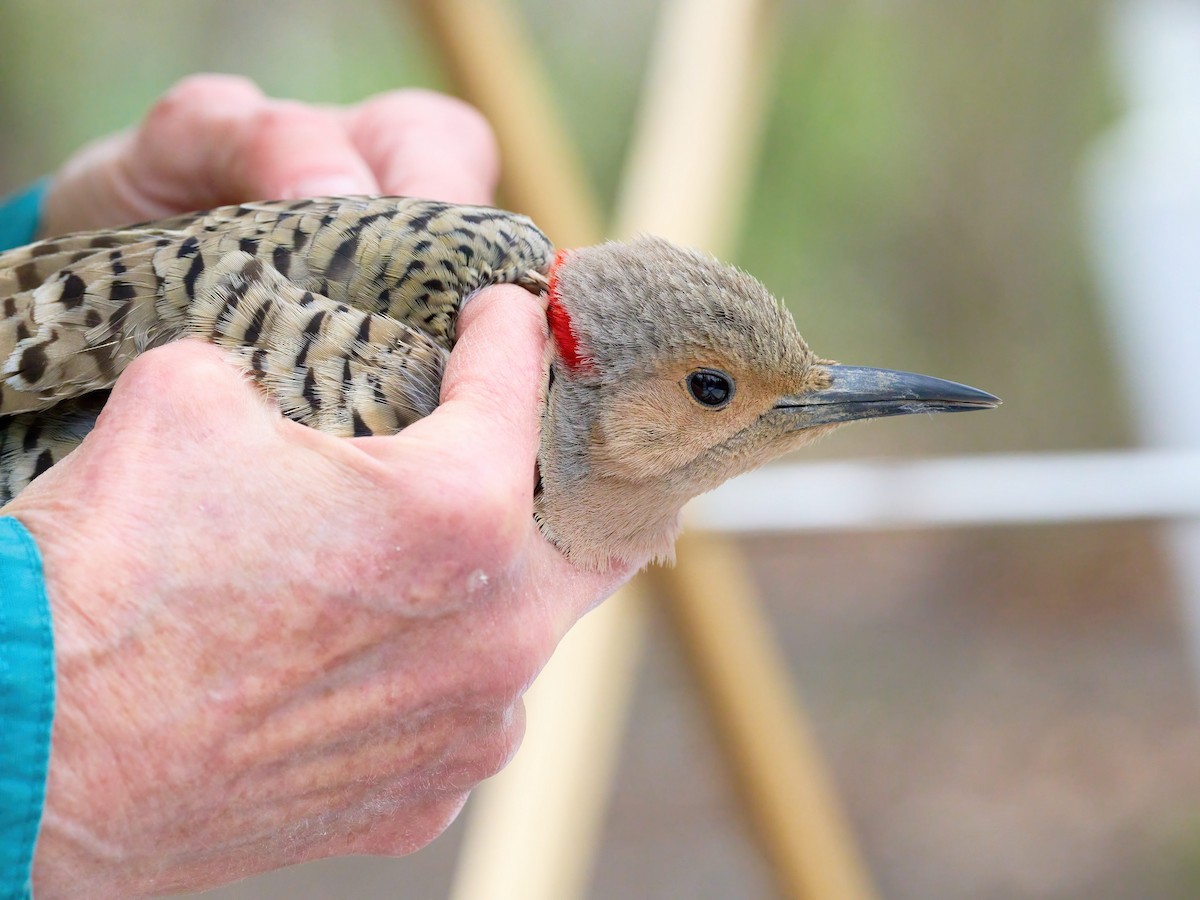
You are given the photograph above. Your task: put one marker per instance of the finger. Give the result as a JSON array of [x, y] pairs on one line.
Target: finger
[[423, 144], [494, 375], [216, 139], [183, 154], [168, 402], [176, 160], [289, 150], [490, 395]]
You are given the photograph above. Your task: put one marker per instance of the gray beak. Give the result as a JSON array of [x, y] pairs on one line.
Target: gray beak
[[858, 392]]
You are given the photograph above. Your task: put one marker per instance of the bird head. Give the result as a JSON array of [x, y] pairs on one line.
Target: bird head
[[670, 373]]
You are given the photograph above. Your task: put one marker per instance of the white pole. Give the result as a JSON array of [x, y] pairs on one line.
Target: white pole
[[1143, 193], [1003, 489]]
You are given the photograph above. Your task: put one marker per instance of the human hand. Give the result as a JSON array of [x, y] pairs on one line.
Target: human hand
[[216, 139], [273, 645]]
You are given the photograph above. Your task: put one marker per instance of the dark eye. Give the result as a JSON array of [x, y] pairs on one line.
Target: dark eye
[[710, 387]]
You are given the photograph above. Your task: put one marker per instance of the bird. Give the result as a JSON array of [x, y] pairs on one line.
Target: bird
[[667, 373]]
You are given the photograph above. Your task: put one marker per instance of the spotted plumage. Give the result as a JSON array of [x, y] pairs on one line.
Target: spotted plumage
[[341, 309]]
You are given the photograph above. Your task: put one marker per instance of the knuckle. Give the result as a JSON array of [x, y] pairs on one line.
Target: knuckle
[[460, 118], [201, 97], [184, 383], [286, 144], [497, 749], [189, 132], [206, 87], [280, 117], [154, 368], [275, 131], [408, 833], [418, 106], [179, 363], [430, 118]]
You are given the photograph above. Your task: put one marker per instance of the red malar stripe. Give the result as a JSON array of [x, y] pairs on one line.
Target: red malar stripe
[[560, 319]]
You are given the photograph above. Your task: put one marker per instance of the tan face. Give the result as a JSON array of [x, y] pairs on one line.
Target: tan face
[[632, 434], [690, 408]]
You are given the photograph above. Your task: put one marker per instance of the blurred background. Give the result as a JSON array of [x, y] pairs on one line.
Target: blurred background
[[1007, 712]]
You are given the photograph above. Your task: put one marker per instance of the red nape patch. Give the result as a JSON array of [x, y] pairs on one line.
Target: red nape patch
[[560, 319]]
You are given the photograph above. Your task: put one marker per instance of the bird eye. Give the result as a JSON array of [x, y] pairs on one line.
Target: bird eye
[[710, 388]]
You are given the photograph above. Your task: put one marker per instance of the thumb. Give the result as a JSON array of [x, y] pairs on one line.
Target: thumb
[[494, 376], [490, 394]]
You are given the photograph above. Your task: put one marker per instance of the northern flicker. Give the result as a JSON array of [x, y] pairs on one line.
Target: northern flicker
[[668, 372]]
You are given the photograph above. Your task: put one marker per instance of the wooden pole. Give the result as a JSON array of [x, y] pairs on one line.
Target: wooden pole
[[533, 829], [697, 137], [763, 728], [699, 123]]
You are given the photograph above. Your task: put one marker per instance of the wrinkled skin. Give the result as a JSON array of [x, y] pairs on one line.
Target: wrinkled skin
[[274, 645]]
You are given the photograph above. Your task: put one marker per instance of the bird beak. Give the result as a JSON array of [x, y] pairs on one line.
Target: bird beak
[[858, 392]]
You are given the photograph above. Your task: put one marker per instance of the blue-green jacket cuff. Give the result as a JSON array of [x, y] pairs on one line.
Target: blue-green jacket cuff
[[21, 215], [26, 703]]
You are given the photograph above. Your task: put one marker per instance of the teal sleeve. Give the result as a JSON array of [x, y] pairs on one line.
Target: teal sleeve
[[20, 215], [26, 704]]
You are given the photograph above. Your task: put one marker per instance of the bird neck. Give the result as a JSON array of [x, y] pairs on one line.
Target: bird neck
[[596, 518]]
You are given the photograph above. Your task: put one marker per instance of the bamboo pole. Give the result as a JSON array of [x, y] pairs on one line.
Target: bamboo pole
[[492, 62], [762, 725], [699, 123], [697, 136]]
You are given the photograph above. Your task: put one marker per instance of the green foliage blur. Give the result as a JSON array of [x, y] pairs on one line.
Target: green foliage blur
[[916, 202]]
